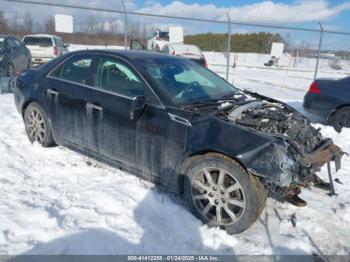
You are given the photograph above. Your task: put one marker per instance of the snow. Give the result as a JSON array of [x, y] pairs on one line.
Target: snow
[[56, 201]]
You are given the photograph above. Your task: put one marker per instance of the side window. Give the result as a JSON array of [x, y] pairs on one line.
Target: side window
[[75, 69], [165, 50], [18, 44], [11, 43], [57, 43], [116, 76], [60, 42]]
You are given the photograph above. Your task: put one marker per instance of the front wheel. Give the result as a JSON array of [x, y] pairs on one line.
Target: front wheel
[[37, 125], [341, 118], [221, 193]]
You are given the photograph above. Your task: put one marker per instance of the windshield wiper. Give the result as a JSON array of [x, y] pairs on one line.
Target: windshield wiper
[[209, 102]]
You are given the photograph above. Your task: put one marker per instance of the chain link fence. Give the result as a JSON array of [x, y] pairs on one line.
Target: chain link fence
[[33, 33]]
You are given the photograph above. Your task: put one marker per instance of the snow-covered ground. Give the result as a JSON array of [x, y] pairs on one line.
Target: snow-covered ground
[[55, 201]]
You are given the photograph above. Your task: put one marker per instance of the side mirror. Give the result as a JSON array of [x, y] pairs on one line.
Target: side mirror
[[136, 45], [137, 106]]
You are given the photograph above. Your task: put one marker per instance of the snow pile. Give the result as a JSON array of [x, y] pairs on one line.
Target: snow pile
[[55, 201]]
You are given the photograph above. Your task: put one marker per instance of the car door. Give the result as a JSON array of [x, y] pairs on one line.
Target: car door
[[151, 143], [108, 107], [66, 84]]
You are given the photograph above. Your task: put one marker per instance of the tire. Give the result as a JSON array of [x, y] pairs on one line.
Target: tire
[[233, 202], [341, 118], [37, 125], [11, 71]]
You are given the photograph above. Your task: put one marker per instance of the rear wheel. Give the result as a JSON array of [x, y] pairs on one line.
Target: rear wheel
[[341, 118], [37, 125], [220, 192]]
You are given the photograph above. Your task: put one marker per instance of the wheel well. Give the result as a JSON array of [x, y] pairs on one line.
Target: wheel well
[[335, 110], [26, 104], [193, 157]]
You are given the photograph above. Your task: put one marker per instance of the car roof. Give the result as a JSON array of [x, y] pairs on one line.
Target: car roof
[[40, 35], [128, 54]]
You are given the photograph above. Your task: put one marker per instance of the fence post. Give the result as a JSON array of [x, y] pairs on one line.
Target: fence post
[[319, 50], [228, 46], [125, 27]]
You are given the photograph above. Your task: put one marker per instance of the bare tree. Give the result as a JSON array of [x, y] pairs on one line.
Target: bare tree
[[28, 23], [113, 26], [3, 23], [49, 25], [14, 24], [91, 24]]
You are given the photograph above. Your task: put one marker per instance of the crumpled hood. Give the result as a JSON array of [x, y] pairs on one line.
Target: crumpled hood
[[306, 145], [278, 119]]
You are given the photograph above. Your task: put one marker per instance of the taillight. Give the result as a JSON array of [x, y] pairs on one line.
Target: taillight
[[55, 50], [314, 88]]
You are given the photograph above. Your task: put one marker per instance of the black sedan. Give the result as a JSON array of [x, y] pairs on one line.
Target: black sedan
[[176, 123], [14, 56], [329, 100]]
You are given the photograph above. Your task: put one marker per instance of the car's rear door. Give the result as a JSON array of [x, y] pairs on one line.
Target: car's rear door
[[67, 111]]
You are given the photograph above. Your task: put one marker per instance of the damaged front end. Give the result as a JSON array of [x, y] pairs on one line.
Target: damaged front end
[[297, 153]]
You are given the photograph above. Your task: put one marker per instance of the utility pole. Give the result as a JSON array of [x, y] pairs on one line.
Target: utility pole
[[125, 26]]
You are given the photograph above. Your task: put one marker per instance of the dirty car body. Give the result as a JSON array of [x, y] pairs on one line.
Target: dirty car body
[[173, 111]]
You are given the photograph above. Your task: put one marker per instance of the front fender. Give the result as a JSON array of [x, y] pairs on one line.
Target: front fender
[[260, 154]]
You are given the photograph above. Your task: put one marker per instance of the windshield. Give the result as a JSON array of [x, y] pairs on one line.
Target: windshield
[[185, 81], [2, 43], [37, 41]]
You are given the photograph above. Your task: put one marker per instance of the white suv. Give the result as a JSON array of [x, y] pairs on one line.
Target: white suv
[[44, 47]]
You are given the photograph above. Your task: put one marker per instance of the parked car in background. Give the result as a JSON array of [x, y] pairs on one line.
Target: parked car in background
[[191, 52], [329, 100], [44, 47], [158, 40], [14, 56], [176, 123]]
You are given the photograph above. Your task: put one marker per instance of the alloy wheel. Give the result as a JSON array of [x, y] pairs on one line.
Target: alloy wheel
[[218, 196], [36, 126]]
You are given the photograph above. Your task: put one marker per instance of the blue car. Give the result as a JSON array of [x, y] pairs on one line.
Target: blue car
[[14, 56], [172, 121], [329, 101]]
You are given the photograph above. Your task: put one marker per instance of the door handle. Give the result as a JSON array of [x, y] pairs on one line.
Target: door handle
[[93, 106], [52, 92]]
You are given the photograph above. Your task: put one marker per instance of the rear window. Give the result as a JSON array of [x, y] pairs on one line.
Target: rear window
[[75, 69], [37, 41], [164, 36], [2, 43]]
